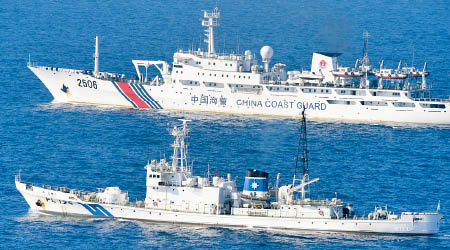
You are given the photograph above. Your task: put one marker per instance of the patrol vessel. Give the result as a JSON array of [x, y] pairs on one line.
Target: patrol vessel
[[175, 195], [208, 81]]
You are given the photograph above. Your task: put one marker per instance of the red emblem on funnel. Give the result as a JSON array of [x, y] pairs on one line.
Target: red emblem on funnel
[[323, 64]]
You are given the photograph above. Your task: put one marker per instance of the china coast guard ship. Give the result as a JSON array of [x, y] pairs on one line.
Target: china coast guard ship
[[175, 195], [207, 81]]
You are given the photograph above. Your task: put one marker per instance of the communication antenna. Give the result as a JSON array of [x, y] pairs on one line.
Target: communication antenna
[[209, 173], [238, 45], [266, 55]]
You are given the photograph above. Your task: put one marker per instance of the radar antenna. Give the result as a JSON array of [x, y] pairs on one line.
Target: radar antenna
[[210, 21]]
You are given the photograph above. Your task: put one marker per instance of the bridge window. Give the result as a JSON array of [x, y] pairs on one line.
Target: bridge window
[[403, 104], [432, 105], [341, 102], [370, 103]]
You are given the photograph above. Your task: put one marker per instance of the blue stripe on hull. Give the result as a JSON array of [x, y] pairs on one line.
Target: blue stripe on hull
[[151, 98], [141, 95], [97, 210]]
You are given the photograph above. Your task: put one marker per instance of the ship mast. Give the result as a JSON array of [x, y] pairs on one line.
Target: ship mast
[[365, 62], [180, 148], [303, 150], [96, 56], [210, 22]]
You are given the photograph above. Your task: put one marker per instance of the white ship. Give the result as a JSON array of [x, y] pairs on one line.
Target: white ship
[[175, 195], [207, 81]]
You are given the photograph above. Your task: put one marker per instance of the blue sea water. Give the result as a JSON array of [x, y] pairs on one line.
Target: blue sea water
[[405, 166]]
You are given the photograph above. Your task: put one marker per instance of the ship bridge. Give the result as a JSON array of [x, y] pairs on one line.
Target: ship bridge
[[217, 62]]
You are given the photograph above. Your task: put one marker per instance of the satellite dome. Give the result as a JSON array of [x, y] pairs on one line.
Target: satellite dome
[[266, 52], [248, 53]]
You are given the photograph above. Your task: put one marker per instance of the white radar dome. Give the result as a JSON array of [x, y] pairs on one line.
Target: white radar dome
[[266, 52]]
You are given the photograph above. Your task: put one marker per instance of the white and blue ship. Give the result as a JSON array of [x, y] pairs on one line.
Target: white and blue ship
[[175, 195]]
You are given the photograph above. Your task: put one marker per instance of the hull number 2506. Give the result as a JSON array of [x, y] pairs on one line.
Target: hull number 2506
[[87, 83]]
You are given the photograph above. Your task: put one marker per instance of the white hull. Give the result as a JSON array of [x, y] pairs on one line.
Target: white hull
[[60, 202], [333, 105]]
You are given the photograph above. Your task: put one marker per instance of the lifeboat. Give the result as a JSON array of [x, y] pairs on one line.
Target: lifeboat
[[389, 74], [346, 72]]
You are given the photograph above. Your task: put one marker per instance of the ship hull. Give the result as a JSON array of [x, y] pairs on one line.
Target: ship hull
[[72, 86], [51, 201]]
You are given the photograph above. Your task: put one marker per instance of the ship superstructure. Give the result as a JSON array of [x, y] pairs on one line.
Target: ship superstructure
[[208, 81], [175, 195]]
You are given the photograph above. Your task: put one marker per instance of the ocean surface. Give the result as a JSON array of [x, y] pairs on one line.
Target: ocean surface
[[85, 147]]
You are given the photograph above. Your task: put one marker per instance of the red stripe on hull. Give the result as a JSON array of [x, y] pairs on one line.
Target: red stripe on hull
[[129, 92]]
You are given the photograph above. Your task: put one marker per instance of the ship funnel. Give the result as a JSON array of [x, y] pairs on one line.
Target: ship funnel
[[266, 54], [96, 55], [256, 183]]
